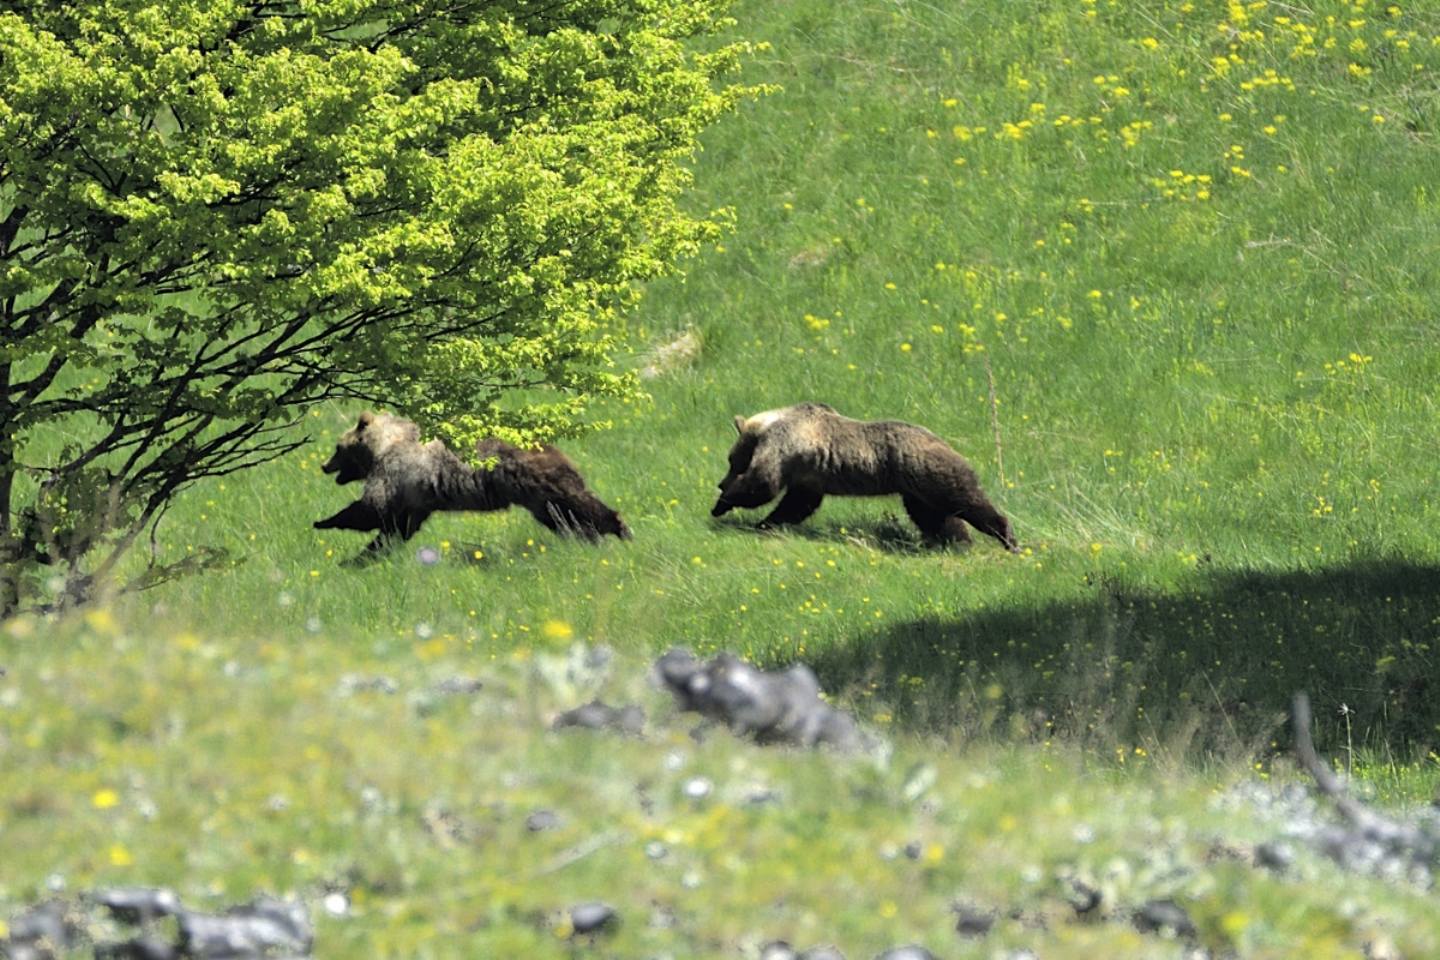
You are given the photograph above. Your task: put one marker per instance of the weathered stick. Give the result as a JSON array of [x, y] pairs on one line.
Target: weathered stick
[[1370, 825], [994, 418]]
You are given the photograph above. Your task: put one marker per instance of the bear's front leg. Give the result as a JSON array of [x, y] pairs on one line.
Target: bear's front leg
[[356, 516], [936, 525], [797, 504], [393, 529]]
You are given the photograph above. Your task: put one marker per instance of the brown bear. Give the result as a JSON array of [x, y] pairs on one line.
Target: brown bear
[[406, 481], [810, 450]]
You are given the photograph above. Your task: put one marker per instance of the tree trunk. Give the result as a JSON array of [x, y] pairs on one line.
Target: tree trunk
[[9, 542], [9, 536]]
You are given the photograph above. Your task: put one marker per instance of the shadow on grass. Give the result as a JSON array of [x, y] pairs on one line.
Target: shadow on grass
[[890, 533], [1209, 669]]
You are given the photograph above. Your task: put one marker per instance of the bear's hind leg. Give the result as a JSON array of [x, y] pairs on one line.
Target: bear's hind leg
[[936, 525], [566, 519], [581, 513], [797, 504], [595, 519]]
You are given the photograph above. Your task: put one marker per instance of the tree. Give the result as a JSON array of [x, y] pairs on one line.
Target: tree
[[215, 213]]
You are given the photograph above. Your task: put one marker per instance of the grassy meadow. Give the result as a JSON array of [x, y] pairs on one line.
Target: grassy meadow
[[1164, 272]]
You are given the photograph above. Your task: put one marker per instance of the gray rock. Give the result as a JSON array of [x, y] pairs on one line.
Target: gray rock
[[138, 904], [457, 686], [587, 918], [261, 928], [761, 796], [1164, 917], [426, 702], [41, 932], [597, 715], [772, 707], [1083, 898], [777, 950], [541, 820], [140, 948], [15, 950], [824, 952], [1274, 855], [971, 919], [909, 952], [353, 683]]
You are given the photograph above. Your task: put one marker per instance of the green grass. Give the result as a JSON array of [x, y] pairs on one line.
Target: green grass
[[1217, 423], [1216, 415]]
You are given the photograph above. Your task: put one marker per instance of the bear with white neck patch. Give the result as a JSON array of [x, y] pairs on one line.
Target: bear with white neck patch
[[810, 451]]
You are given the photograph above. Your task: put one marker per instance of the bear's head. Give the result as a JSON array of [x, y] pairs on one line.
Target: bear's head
[[358, 449], [609, 522], [741, 454]]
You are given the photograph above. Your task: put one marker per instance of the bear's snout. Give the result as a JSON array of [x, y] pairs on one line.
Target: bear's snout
[[721, 508], [345, 468]]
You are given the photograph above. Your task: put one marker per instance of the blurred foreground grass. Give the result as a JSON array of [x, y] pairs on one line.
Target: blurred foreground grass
[[308, 765]]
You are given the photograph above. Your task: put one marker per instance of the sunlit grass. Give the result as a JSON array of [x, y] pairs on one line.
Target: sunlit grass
[[1192, 244]]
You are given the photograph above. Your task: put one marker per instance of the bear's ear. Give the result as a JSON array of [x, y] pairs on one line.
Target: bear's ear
[[740, 425], [367, 418]]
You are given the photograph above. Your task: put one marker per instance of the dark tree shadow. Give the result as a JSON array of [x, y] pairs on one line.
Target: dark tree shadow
[[1212, 668]]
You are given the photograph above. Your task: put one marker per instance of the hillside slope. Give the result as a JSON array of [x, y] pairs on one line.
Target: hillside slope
[[1191, 247], [1190, 250], [1172, 263]]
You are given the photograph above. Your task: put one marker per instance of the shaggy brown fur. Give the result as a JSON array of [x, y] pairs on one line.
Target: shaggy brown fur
[[406, 481], [809, 450], [546, 482]]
